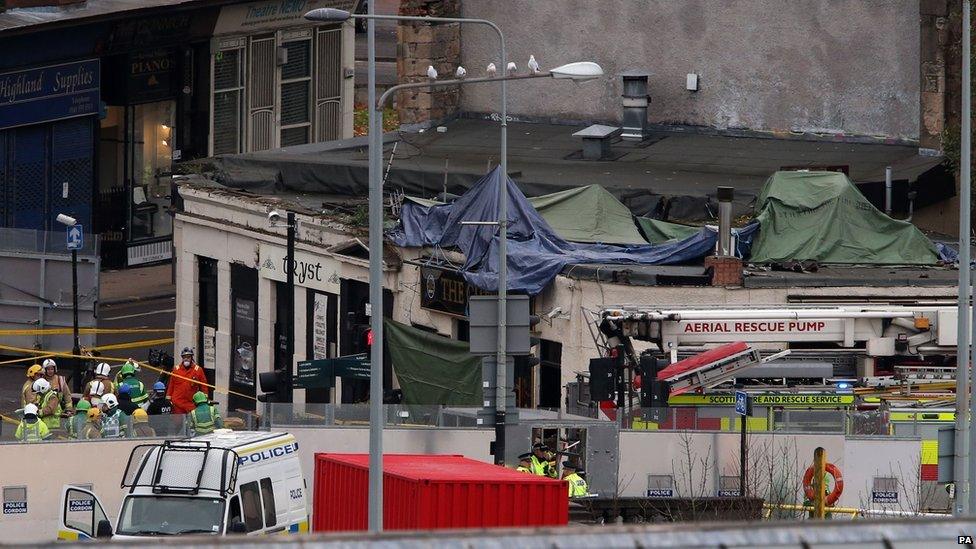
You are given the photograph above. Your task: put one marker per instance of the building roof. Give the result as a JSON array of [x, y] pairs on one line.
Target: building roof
[[24, 19], [678, 163]]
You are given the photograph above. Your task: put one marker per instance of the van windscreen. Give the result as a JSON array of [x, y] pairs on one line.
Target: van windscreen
[[170, 516]]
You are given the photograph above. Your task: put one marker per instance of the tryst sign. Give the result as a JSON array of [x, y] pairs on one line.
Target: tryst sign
[[320, 272]]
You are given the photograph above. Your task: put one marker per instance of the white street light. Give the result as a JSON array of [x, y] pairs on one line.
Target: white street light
[[581, 71]]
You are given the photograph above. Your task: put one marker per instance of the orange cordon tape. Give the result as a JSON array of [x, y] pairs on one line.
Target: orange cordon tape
[[222, 390], [834, 494]]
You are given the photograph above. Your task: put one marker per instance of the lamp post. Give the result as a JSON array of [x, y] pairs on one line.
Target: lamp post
[[577, 71], [69, 221], [963, 469], [336, 15]]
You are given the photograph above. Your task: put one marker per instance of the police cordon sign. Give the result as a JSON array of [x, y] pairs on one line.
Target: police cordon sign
[[80, 505], [14, 507]]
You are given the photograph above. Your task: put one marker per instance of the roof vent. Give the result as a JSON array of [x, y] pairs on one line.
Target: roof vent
[[596, 141], [635, 101]]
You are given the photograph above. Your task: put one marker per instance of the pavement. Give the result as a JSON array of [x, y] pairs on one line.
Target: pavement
[[138, 284]]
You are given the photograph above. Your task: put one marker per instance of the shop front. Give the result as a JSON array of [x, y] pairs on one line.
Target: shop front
[[154, 84], [47, 120]]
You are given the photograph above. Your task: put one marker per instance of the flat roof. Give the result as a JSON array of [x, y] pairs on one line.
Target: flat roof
[[543, 158]]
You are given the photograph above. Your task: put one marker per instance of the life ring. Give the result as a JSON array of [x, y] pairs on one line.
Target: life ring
[[834, 494]]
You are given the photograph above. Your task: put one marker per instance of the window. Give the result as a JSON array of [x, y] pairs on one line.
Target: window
[[14, 500], [728, 486], [228, 77], [296, 91], [251, 498], [661, 486], [267, 493], [234, 511], [81, 511]]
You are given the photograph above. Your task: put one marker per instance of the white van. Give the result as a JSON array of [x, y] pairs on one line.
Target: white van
[[220, 483]]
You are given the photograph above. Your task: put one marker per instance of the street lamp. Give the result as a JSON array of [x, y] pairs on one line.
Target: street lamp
[[577, 71], [964, 470], [69, 221]]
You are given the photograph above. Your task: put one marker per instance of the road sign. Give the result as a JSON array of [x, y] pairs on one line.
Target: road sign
[[321, 374], [742, 406], [75, 237]]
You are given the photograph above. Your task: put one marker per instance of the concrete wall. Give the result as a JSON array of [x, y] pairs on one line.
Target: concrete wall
[[696, 460], [831, 66], [104, 473]]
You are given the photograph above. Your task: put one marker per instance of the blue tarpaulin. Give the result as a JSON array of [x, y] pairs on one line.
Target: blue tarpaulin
[[536, 254]]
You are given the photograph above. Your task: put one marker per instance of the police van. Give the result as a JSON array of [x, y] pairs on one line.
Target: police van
[[225, 482]]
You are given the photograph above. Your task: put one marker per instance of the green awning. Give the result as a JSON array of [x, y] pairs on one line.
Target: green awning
[[588, 214], [821, 216], [431, 368]]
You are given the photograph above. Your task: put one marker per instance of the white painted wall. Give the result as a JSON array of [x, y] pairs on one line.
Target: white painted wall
[[229, 227]]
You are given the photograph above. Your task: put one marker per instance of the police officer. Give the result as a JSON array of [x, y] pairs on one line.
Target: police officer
[[525, 463], [540, 463], [577, 486], [205, 417]]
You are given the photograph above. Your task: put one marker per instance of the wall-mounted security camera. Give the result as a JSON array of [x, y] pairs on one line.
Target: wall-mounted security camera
[[554, 313], [274, 217], [66, 220]]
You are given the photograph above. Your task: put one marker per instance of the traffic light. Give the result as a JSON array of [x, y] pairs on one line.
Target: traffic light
[[603, 378], [274, 387], [653, 393]]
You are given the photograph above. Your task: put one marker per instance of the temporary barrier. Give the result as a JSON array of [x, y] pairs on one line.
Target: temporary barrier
[[433, 491]]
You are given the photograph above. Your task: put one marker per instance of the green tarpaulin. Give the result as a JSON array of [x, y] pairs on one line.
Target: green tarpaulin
[[657, 231], [433, 369], [821, 216], [588, 214]]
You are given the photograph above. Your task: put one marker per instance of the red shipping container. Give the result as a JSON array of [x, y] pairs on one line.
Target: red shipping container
[[423, 492]]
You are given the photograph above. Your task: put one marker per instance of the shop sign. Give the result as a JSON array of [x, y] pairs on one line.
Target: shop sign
[[319, 272], [446, 291], [150, 75], [51, 93], [274, 14], [764, 400]]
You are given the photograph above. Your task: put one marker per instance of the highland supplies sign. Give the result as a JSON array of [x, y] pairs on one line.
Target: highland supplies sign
[[50, 93]]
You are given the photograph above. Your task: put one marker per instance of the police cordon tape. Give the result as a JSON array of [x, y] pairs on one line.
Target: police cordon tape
[[35, 352], [115, 346], [85, 331]]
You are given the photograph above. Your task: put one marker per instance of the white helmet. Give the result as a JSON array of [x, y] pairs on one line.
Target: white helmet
[[41, 385], [49, 363], [97, 388], [30, 410], [103, 369], [110, 401]]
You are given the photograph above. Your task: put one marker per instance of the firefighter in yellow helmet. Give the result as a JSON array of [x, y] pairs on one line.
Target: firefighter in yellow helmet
[[27, 394], [140, 424], [93, 427]]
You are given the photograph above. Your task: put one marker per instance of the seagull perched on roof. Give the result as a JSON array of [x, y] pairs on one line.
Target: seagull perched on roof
[[460, 73], [512, 68], [533, 65], [431, 72], [491, 70]]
